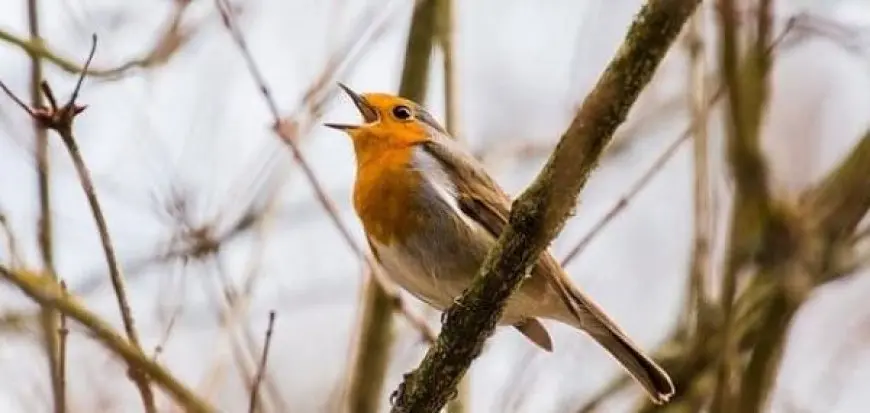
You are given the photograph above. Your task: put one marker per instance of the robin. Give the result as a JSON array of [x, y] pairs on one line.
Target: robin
[[431, 213]]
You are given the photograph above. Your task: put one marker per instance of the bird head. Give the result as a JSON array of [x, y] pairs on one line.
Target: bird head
[[389, 122]]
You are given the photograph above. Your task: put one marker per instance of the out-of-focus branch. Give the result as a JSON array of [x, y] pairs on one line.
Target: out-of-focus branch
[[690, 362], [45, 291], [763, 311], [540, 212], [11, 241], [753, 218], [641, 183], [47, 317], [375, 330], [418, 50], [171, 39], [62, 336], [371, 355], [60, 119], [448, 53], [840, 201], [700, 264], [657, 165]]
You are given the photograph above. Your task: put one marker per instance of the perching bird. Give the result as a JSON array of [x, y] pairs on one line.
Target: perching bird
[[431, 213]]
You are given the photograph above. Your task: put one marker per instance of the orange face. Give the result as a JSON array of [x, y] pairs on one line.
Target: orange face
[[389, 122]]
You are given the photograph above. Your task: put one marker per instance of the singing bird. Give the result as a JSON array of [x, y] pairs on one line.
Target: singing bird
[[431, 213]]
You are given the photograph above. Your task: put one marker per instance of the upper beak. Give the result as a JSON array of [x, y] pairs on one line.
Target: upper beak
[[368, 113]]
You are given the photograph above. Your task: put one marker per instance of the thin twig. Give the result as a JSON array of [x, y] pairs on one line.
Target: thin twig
[[161, 345], [60, 119], [244, 343], [261, 369], [623, 201], [46, 291], [45, 236], [15, 99], [11, 242], [172, 38], [62, 334]]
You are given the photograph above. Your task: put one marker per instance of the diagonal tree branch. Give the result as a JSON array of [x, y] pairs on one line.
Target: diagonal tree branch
[[540, 212], [840, 201], [172, 38], [48, 292]]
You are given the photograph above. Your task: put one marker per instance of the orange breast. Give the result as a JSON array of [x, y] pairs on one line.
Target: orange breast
[[385, 196]]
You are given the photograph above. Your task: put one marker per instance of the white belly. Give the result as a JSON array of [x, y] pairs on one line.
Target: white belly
[[408, 273]]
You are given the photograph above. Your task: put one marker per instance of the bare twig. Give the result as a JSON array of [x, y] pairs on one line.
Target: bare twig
[[244, 343], [48, 318], [17, 100], [170, 325], [62, 335], [45, 291], [172, 38], [261, 369], [540, 212], [623, 201], [11, 242], [60, 119]]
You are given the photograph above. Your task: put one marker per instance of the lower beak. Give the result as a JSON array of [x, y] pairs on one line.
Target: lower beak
[[369, 114]]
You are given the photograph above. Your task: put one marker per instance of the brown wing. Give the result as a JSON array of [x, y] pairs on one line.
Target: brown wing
[[483, 200], [478, 195]]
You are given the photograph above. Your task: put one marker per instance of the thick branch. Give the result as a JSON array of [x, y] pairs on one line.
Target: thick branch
[[541, 211]]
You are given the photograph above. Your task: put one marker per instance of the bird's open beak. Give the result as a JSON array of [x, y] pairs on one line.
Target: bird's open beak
[[368, 113]]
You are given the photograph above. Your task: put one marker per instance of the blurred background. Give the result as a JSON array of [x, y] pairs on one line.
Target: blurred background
[[216, 224]]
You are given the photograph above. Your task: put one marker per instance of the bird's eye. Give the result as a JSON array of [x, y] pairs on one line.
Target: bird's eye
[[402, 112]]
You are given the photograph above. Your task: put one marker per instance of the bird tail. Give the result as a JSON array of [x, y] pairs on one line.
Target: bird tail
[[591, 319]]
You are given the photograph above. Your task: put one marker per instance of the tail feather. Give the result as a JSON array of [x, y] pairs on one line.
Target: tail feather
[[588, 317], [645, 371]]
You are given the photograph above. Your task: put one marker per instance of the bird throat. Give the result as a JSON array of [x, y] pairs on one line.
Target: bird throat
[[386, 195]]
